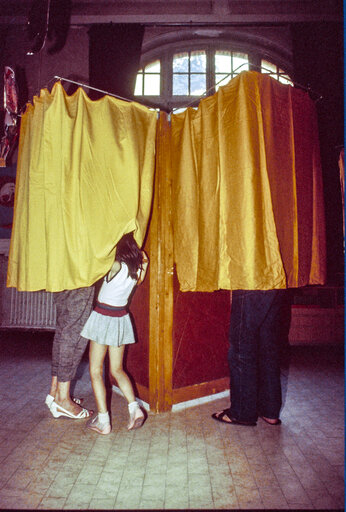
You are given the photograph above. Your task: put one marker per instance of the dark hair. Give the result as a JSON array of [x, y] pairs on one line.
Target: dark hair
[[127, 251]]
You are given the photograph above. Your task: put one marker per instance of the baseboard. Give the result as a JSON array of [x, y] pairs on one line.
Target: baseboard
[[198, 391], [188, 396], [199, 401]]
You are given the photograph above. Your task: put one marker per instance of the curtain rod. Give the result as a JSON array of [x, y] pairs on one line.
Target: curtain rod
[[105, 92], [252, 67], [93, 88], [307, 89]]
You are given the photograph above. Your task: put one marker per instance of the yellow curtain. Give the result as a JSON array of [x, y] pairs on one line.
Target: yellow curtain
[[84, 178], [247, 189]]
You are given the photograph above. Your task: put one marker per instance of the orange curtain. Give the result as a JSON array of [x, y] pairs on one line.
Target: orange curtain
[[247, 189]]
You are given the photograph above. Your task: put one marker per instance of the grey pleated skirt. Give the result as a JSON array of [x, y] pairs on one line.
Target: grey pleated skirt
[[109, 330]]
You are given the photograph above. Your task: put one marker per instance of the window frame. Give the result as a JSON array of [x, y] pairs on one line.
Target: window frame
[[165, 52]]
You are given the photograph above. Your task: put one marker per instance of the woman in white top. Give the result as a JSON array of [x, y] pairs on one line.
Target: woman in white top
[[109, 328]]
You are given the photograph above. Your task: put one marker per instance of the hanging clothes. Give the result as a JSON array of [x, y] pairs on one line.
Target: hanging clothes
[[247, 189], [84, 178]]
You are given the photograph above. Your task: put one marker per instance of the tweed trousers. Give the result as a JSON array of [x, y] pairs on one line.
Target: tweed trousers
[[73, 308]]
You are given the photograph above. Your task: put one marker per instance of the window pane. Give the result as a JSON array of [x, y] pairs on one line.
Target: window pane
[[139, 85], [148, 82], [224, 80], [182, 109], [223, 62], [240, 62], [180, 62], [278, 74], [197, 85], [285, 79], [153, 67], [181, 85], [268, 67], [152, 85], [178, 110], [198, 62]]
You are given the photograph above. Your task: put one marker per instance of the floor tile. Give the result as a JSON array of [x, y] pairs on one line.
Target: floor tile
[[179, 460]]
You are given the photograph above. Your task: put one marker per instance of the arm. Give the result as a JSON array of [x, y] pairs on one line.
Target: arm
[[144, 268], [114, 270]]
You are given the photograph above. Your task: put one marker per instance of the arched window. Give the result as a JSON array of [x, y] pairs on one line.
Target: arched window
[[178, 77], [275, 72]]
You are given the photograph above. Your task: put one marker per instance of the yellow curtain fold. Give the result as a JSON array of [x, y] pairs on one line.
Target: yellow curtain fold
[[84, 178], [247, 189]]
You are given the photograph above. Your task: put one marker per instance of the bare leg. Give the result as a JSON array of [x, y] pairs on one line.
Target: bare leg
[[116, 355], [53, 391], [53, 386], [97, 354], [64, 399]]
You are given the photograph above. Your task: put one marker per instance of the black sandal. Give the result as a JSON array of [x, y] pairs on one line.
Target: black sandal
[[219, 416]]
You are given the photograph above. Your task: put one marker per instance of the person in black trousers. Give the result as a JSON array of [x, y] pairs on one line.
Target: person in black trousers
[[257, 318]]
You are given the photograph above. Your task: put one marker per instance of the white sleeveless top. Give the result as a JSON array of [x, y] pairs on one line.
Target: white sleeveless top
[[116, 292]]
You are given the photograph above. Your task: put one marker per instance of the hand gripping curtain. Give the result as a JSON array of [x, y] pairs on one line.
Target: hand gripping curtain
[[84, 178], [247, 189]]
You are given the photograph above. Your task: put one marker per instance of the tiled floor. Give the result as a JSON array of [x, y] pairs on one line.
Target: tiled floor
[[178, 460]]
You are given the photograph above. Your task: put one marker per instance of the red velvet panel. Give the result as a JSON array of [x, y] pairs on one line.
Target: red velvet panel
[[200, 336]]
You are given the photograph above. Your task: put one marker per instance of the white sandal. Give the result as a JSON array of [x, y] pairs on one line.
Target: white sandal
[[50, 399], [84, 413]]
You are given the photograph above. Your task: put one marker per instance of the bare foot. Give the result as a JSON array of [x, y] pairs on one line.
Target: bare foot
[[221, 415], [70, 406], [271, 421], [136, 419]]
